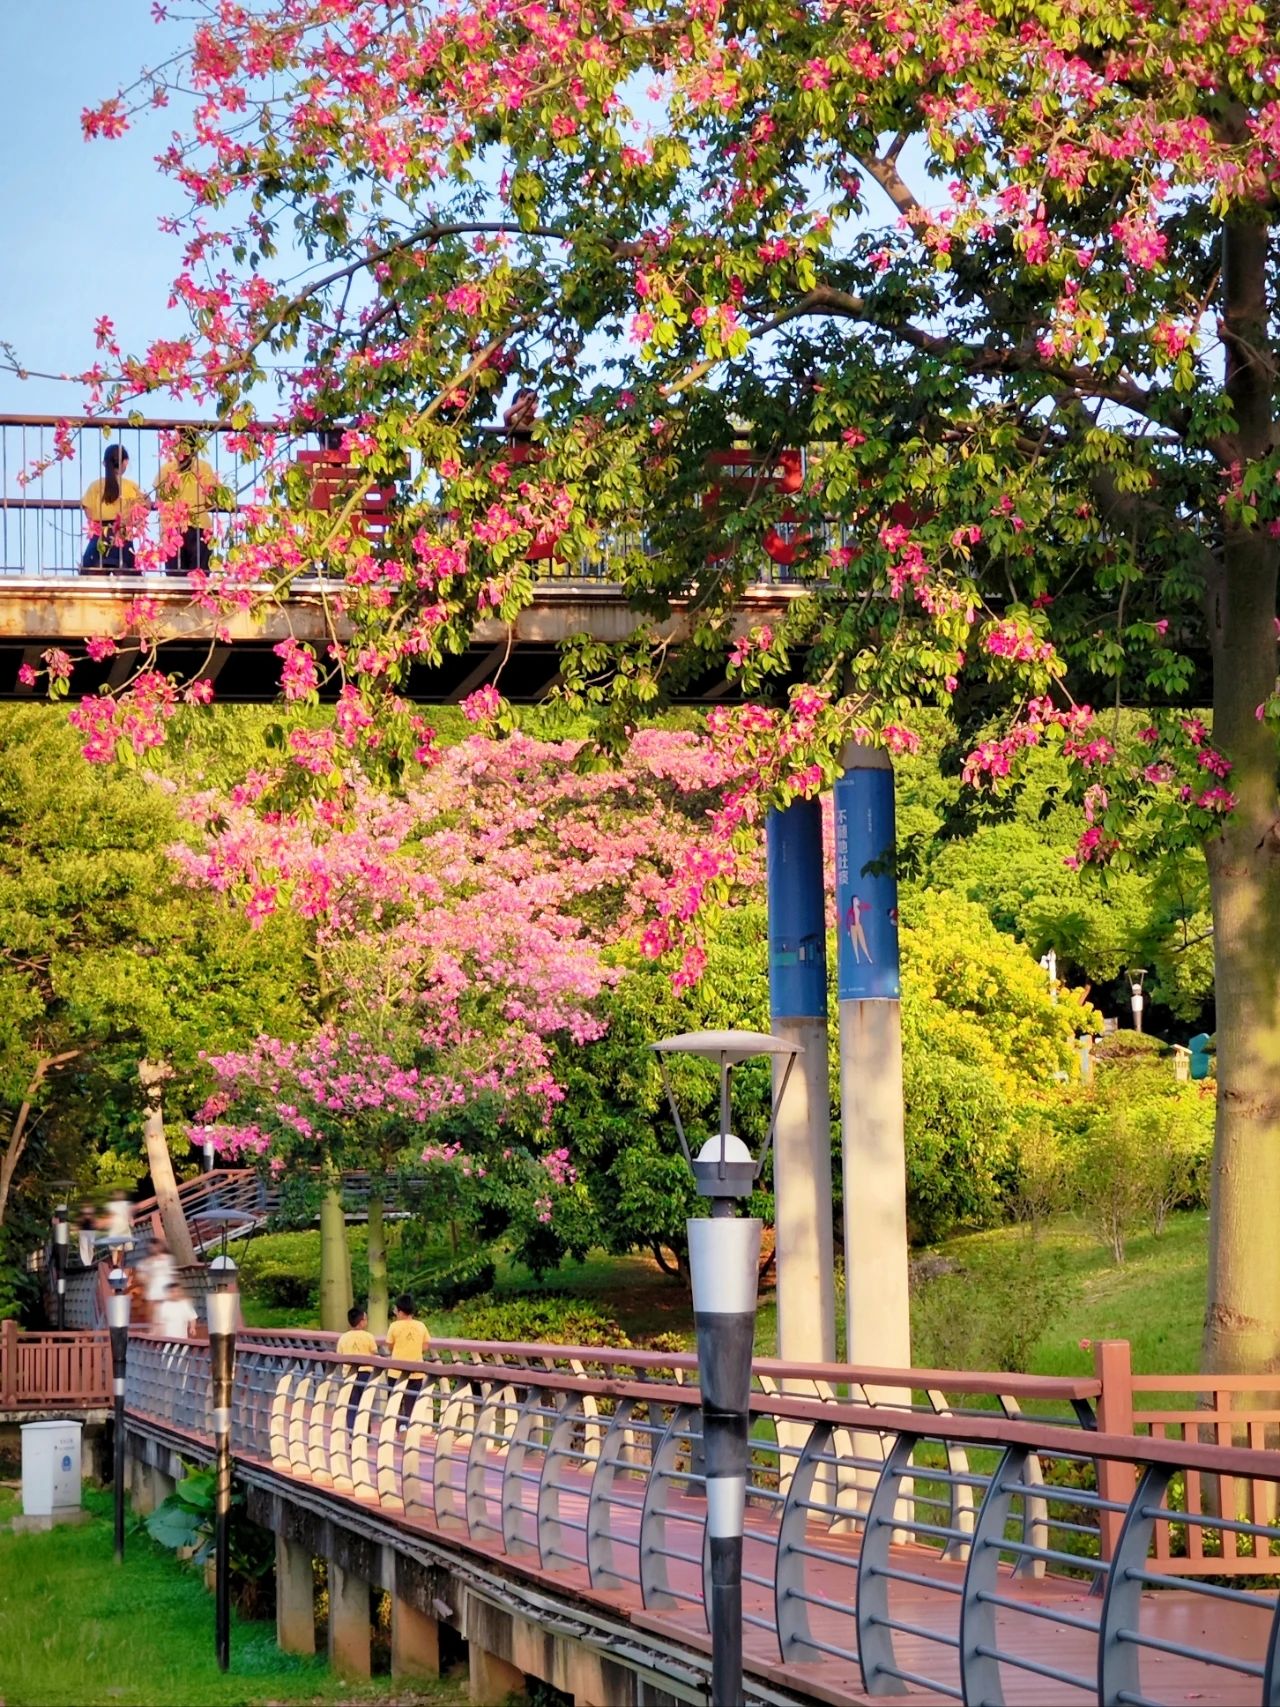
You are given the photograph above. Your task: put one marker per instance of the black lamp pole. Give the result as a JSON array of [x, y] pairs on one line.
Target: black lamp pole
[[223, 1307], [118, 1322], [60, 1262], [724, 1258]]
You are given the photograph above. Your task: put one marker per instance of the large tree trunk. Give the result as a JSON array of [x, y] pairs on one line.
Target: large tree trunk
[[152, 1075], [335, 1260], [1242, 1319], [378, 1304]]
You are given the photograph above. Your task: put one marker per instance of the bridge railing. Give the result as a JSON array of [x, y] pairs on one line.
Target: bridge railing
[[51, 1370], [43, 531], [962, 1554]]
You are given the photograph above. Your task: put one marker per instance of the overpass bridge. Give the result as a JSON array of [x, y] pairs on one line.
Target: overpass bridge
[[45, 599]]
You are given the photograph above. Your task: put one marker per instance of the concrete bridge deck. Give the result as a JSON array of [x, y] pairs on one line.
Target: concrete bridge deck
[[236, 653]]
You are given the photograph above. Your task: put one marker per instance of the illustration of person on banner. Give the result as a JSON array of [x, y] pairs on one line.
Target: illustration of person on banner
[[856, 929]]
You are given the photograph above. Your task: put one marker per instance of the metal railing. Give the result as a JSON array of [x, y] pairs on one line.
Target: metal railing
[[205, 1200], [918, 1544], [43, 532]]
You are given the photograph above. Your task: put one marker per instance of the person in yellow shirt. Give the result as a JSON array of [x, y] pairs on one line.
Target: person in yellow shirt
[[189, 485], [115, 510], [407, 1337], [355, 1342]]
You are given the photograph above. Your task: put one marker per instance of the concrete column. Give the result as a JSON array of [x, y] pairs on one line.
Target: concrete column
[[491, 1679], [162, 1485], [295, 1598], [349, 1628], [802, 1142], [142, 1488], [415, 1641], [875, 1191]]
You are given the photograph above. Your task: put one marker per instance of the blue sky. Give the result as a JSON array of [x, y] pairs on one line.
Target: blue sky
[[79, 218]]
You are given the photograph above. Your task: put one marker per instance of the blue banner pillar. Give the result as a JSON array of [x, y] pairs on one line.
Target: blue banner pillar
[[877, 1317], [802, 1144]]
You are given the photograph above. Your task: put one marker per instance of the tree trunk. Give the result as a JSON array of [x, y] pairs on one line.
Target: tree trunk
[[335, 1261], [1242, 1318], [152, 1076], [20, 1131], [377, 1304]]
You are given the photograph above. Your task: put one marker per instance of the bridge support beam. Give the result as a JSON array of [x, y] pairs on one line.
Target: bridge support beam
[[295, 1598], [491, 1679], [415, 1641], [149, 1487], [349, 1627]]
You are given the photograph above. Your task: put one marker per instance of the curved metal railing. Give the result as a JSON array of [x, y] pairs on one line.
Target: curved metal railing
[[925, 1545]]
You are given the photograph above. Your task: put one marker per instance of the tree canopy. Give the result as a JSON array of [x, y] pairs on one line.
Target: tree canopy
[[1003, 276]]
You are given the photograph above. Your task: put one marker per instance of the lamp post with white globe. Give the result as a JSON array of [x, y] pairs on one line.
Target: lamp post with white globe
[[724, 1260]]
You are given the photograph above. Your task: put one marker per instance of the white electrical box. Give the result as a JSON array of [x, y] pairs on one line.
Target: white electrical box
[[50, 1467]]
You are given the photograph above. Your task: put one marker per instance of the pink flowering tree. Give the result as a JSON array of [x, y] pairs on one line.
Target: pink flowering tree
[[1004, 273], [464, 933]]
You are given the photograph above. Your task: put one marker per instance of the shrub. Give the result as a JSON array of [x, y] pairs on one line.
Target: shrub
[[960, 1158], [552, 1319], [989, 1309], [186, 1520], [1042, 1169], [1140, 1159]]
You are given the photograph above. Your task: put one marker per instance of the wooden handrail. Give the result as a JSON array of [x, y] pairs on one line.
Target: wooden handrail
[[984, 1382], [42, 1369]]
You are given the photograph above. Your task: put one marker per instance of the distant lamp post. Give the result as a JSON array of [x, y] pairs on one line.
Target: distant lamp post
[[223, 1305], [1049, 964], [1137, 1000], [60, 1262], [208, 1155], [1085, 1045], [118, 1323], [724, 1257]]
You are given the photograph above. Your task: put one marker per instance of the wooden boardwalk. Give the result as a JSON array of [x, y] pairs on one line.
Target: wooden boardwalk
[[584, 1489], [1178, 1616]]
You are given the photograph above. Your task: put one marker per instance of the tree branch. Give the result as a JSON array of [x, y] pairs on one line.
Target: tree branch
[[980, 360], [18, 1132]]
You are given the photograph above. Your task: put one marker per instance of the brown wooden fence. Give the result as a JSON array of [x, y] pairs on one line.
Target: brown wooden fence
[[1210, 1410], [69, 1371]]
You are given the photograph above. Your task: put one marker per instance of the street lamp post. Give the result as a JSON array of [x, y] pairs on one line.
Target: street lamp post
[[223, 1306], [1136, 998], [60, 1262], [724, 1257], [118, 1322], [1049, 965]]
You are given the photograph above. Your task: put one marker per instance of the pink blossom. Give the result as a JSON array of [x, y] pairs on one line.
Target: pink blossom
[[483, 705]]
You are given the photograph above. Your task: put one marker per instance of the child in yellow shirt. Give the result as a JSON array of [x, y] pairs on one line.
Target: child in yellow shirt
[[357, 1340], [407, 1337]]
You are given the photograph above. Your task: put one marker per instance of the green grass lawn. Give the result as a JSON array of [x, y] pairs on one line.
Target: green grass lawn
[[1155, 1299], [74, 1626]]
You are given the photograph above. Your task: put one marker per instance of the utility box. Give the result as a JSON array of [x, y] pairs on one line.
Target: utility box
[[50, 1468]]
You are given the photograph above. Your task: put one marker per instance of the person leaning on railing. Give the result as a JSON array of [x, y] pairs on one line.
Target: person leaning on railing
[[355, 1341], [407, 1337], [115, 509], [190, 487]]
